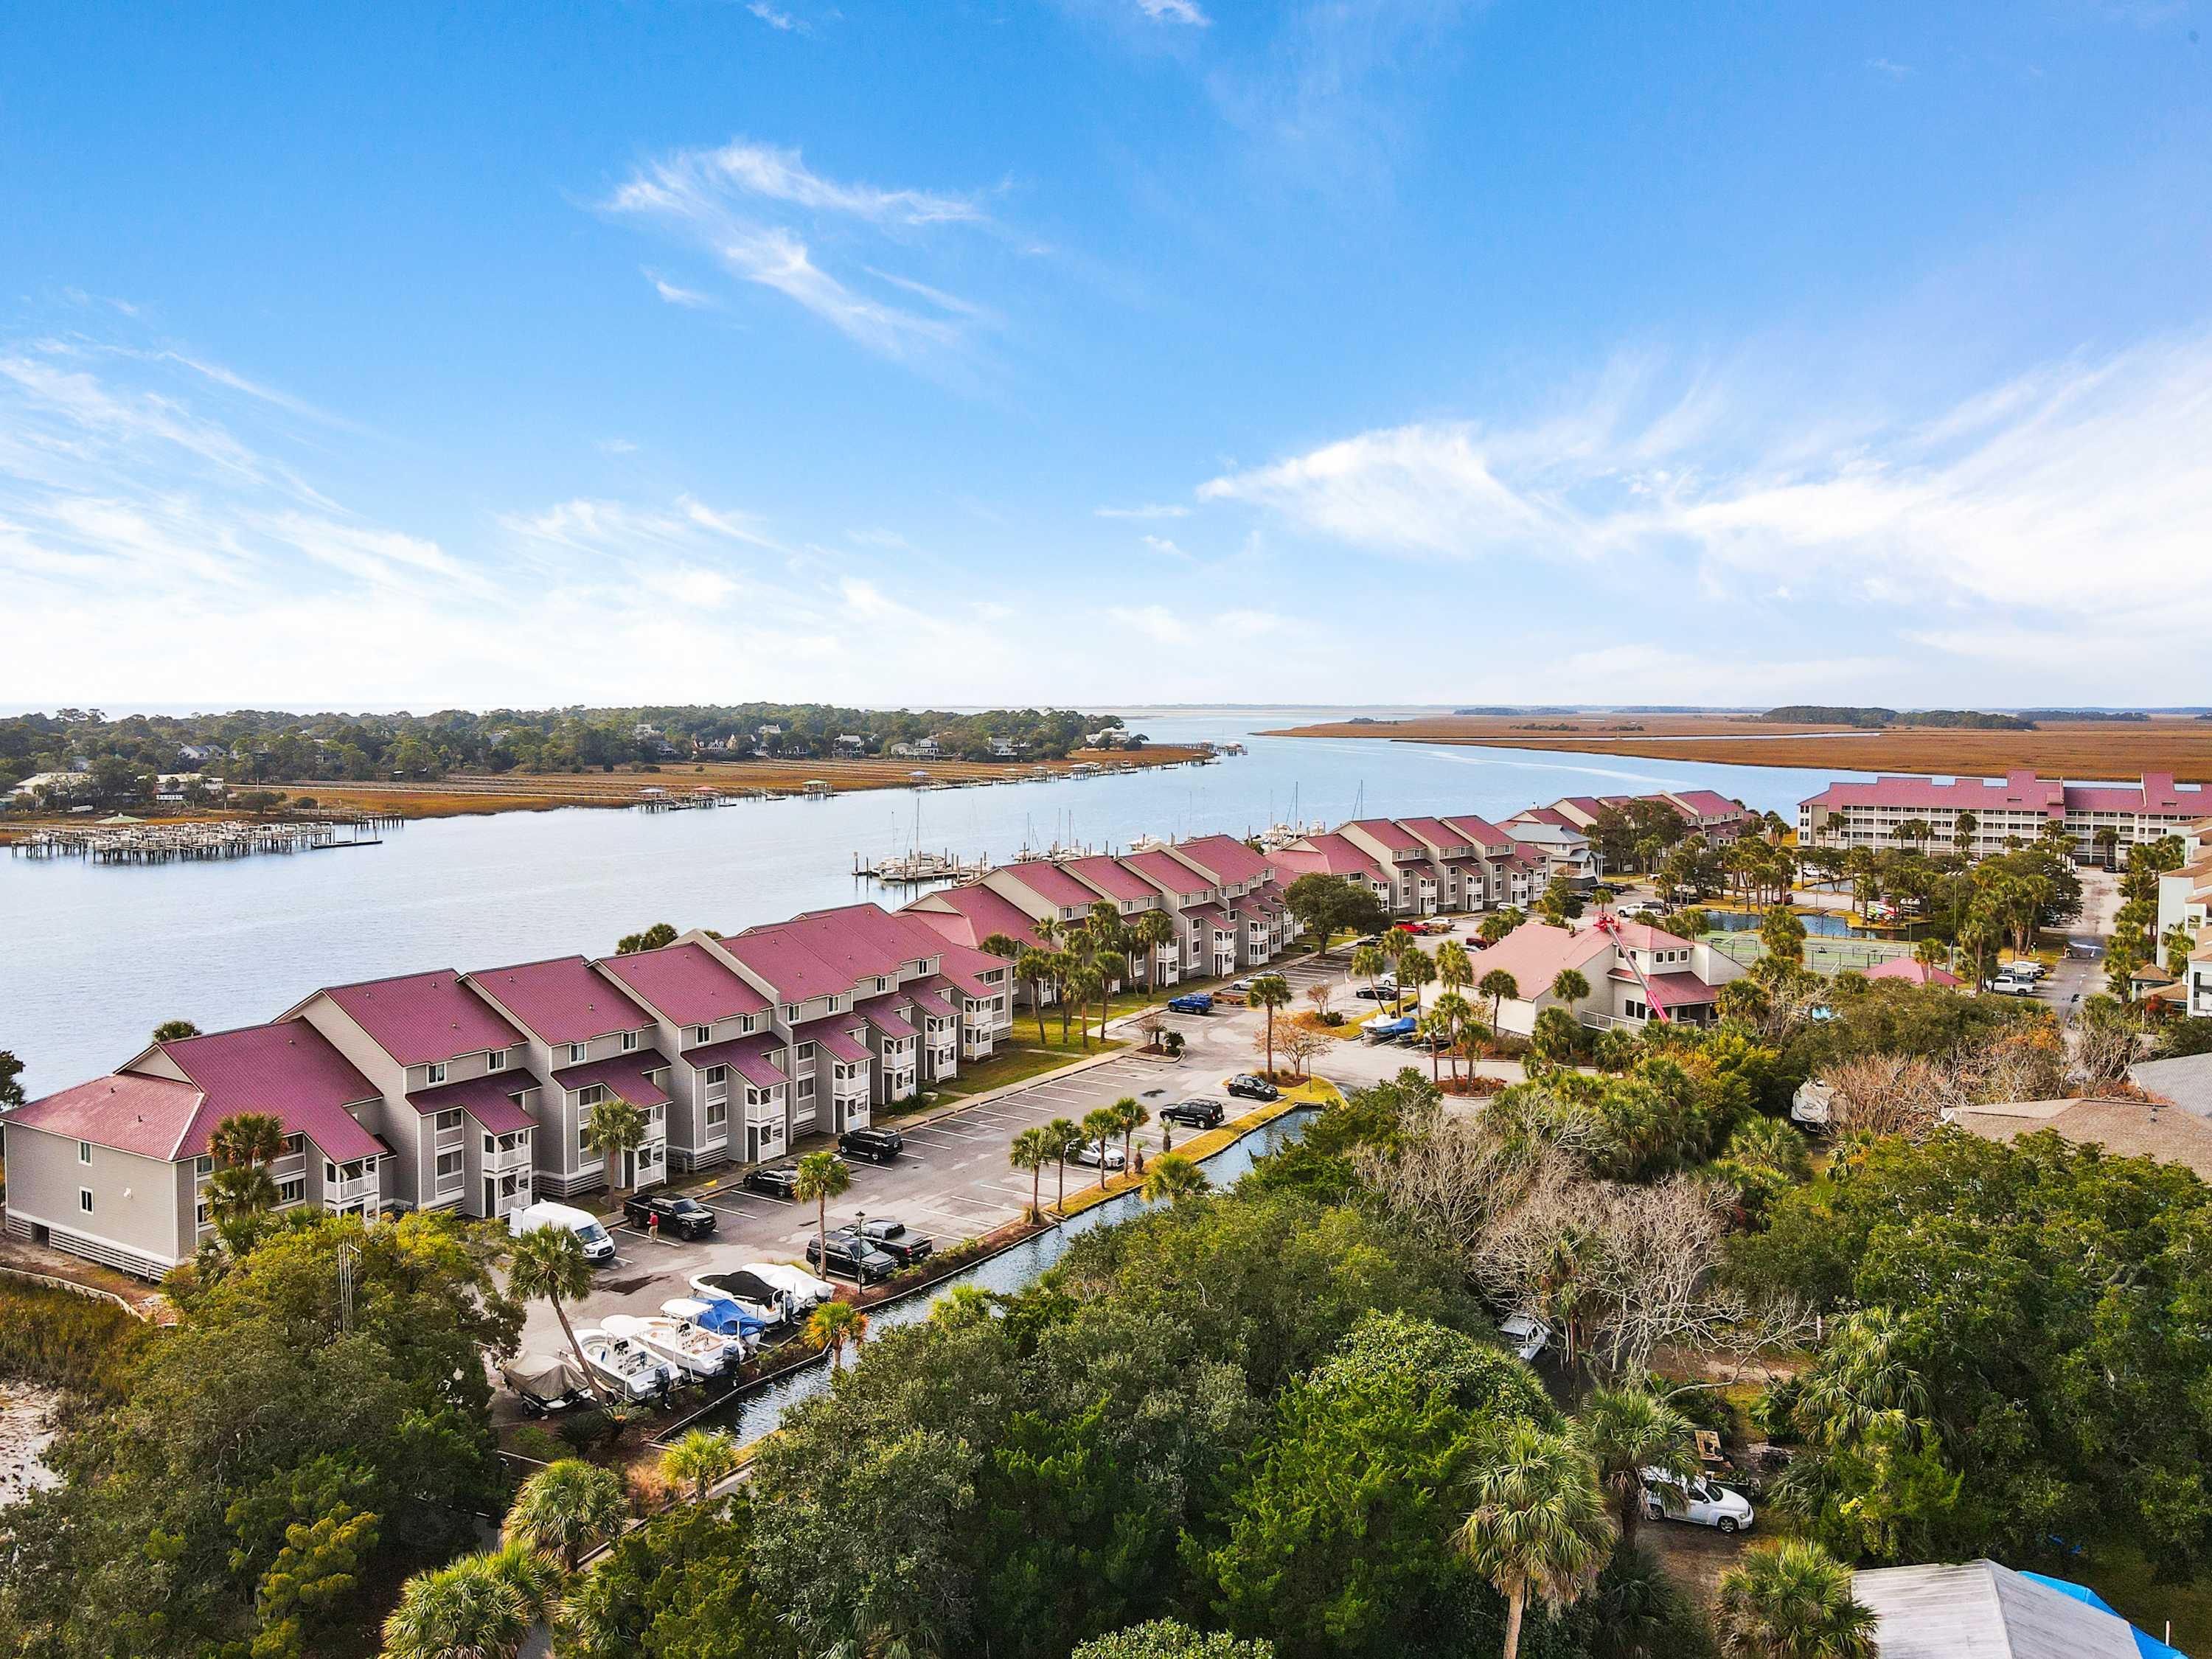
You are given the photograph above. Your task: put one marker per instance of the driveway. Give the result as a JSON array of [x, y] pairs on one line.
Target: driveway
[[953, 1181]]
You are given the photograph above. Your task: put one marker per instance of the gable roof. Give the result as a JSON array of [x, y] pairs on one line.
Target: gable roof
[[417, 1019], [1482, 832], [1327, 855], [561, 999], [1169, 873], [1228, 860], [753, 1058], [2125, 1128], [1981, 1610], [968, 915], [146, 1115], [1111, 877], [822, 953], [1051, 883], [623, 1074], [687, 983], [1436, 834], [489, 1099], [1388, 832], [1535, 951], [1913, 973]]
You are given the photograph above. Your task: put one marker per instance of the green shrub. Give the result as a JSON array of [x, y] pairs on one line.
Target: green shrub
[[61, 1340]]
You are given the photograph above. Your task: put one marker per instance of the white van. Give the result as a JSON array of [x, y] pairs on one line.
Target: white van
[[599, 1248]]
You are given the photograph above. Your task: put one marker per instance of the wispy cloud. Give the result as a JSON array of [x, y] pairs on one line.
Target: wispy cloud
[[1161, 510], [742, 204], [1161, 544], [1884, 66], [1175, 11], [774, 19], [689, 298]]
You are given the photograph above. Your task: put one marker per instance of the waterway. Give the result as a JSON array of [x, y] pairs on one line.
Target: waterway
[[92, 957], [748, 1416]]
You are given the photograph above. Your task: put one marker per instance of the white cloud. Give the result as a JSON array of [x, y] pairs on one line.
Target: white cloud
[[1175, 11], [740, 203], [690, 298], [1884, 66], [1149, 512], [769, 15], [1161, 544]]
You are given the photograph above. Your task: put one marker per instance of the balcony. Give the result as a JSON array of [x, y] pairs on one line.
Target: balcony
[[343, 1194]]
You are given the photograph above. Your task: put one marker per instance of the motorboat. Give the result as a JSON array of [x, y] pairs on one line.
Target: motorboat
[[693, 1350], [624, 1364], [803, 1290], [719, 1314], [765, 1300], [546, 1382]]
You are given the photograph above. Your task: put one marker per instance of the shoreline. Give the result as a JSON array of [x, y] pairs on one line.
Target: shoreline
[[2076, 750], [486, 795]]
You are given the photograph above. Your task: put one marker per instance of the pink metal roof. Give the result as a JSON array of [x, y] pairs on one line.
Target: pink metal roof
[[1331, 856], [1110, 877], [1051, 883], [1706, 803], [932, 1001], [420, 1018], [1535, 951], [1169, 873], [623, 1074], [147, 1116], [1680, 991], [561, 1000], [1436, 834], [1641, 936], [1228, 860], [1545, 815], [836, 1036], [288, 1070], [1208, 912], [1389, 833], [2019, 791], [686, 983], [753, 1058], [968, 915], [822, 952], [1481, 832], [489, 1099], [888, 1014], [1913, 973]]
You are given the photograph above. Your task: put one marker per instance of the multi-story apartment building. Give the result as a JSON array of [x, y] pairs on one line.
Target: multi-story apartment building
[[2018, 807], [413, 1038], [591, 1043], [117, 1170], [1705, 812], [729, 1094]]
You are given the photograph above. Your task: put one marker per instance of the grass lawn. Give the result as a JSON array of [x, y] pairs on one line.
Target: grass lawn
[[1018, 1065], [2122, 1576]]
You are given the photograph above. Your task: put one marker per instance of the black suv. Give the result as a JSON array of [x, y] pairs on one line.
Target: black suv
[[876, 1146], [1253, 1088], [895, 1239], [687, 1218], [776, 1179], [1194, 1113], [849, 1258]]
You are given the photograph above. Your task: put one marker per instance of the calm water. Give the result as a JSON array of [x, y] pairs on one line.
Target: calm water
[[95, 956], [751, 1415]]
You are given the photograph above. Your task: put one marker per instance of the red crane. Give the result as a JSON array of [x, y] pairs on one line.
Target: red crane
[[1610, 923]]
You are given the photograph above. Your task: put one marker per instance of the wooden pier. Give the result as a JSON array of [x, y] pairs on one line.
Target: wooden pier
[[170, 843]]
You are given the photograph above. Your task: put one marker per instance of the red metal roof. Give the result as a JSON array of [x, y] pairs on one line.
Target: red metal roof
[[687, 983], [1051, 883], [1327, 855], [1169, 873], [1481, 832], [2019, 791], [1110, 877], [561, 999], [1230, 861], [288, 1070], [1680, 991], [1913, 973], [623, 1074], [753, 1058], [837, 1037], [1436, 834], [888, 1014], [823, 952], [932, 1001], [1706, 803], [1641, 936], [1390, 832], [417, 1019], [147, 1116], [968, 915], [1535, 951], [489, 1099]]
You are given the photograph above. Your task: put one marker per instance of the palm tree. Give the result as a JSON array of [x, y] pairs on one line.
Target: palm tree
[[834, 1324], [1154, 933], [1368, 962], [1270, 991], [1501, 988], [1454, 971], [1791, 1600], [1539, 1525], [1063, 975], [617, 1129], [1863, 1375], [567, 1510], [1174, 1177], [175, 1030], [1101, 1125], [2107, 841], [1570, 986], [821, 1177], [1000, 944], [1063, 1136], [1629, 1431], [701, 1460], [547, 1264], [477, 1607], [1031, 969], [242, 1191], [1083, 982], [1963, 827], [1415, 969], [1130, 1115], [1455, 1014], [1032, 1150], [1497, 925]]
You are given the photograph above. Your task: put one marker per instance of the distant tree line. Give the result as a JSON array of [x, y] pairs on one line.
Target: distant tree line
[[120, 758], [1959, 719]]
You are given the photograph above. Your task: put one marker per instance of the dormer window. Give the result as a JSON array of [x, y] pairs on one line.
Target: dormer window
[[496, 1061], [435, 1072], [701, 1033], [578, 1052], [790, 1013], [629, 1042]]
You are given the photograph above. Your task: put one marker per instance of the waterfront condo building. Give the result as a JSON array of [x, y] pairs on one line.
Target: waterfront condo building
[[2017, 807]]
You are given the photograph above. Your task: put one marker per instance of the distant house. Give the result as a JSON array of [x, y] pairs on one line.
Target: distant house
[[197, 754], [1983, 1610], [851, 743], [1636, 973], [2125, 1128], [1005, 749], [919, 749]]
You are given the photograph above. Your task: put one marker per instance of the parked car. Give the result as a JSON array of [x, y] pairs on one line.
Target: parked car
[[1701, 1500], [1381, 991], [1242, 987], [1365, 942], [1097, 1154], [1193, 1002], [687, 1218], [599, 1245], [1247, 1087], [895, 1239], [852, 1258], [776, 1179], [2005, 985], [1528, 1335], [876, 1146], [1194, 1113], [2025, 968]]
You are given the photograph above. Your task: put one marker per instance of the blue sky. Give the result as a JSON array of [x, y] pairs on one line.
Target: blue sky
[[1103, 351]]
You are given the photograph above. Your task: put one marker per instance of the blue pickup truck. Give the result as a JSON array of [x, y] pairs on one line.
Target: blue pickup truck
[[1197, 1002]]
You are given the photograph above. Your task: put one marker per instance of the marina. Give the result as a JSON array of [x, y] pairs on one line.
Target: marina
[[170, 843]]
